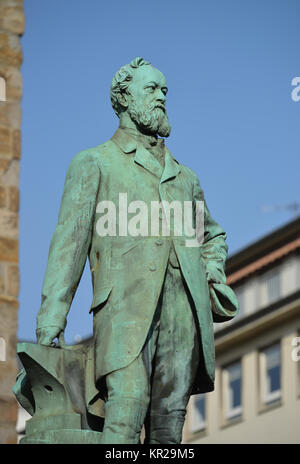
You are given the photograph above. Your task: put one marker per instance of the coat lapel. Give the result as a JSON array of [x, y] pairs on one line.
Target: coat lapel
[[145, 159], [172, 167]]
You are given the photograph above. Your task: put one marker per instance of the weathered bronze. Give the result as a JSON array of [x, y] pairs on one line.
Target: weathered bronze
[[155, 297]]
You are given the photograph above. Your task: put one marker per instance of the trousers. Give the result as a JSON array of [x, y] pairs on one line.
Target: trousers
[[155, 388]]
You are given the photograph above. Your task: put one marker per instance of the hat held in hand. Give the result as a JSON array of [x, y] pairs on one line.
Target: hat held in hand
[[224, 302]]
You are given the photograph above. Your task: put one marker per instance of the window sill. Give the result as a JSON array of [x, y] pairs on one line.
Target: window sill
[[269, 407], [234, 420], [192, 436]]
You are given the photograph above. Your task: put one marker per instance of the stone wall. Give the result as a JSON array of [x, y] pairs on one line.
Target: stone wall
[[11, 28]]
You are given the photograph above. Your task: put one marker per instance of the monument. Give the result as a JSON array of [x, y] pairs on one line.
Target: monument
[[157, 261]]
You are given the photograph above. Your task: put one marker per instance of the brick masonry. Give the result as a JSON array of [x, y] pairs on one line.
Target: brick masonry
[[11, 29]]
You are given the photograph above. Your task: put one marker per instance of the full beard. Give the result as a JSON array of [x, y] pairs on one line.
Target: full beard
[[150, 121]]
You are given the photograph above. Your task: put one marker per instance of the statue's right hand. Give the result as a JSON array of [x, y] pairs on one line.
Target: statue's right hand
[[46, 335]]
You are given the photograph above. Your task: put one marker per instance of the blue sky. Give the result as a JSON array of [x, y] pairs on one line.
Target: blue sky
[[229, 66]]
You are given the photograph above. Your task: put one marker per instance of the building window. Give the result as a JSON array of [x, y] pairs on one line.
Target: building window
[[273, 285], [232, 391], [198, 413], [270, 287], [270, 366]]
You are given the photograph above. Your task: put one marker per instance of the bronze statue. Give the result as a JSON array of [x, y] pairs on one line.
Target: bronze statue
[[155, 296]]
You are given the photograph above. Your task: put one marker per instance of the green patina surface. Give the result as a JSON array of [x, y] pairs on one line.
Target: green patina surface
[[129, 272]]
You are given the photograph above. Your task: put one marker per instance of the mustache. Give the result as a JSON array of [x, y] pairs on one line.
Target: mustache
[[160, 106]]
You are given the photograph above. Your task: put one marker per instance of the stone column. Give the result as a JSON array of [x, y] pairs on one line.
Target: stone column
[[11, 28]]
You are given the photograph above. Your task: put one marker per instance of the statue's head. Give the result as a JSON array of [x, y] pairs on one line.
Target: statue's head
[[139, 90]]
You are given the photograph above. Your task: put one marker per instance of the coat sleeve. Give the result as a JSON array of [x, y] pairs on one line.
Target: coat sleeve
[[71, 240], [214, 247]]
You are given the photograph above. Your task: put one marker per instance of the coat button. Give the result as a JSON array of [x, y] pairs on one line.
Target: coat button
[[159, 242], [152, 268]]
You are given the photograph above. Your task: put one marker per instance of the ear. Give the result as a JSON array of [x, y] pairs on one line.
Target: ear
[[123, 99]]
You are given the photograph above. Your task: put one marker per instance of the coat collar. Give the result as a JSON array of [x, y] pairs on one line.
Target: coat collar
[[124, 141], [144, 158]]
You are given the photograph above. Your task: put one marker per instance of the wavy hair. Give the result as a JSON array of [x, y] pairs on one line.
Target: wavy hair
[[121, 81]]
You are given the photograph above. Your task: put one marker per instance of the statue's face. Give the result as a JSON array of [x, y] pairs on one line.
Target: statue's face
[[146, 101]]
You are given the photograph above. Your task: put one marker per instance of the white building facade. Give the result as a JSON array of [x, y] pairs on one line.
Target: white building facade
[[257, 388]]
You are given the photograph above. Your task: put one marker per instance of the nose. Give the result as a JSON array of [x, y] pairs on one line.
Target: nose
[[160, 96]]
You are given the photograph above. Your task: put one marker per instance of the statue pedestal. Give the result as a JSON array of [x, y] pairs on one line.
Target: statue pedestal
[[58, 429], [57, 388], [63, 437]]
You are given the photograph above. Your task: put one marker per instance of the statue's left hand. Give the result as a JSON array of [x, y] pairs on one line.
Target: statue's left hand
[[46, 335]]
